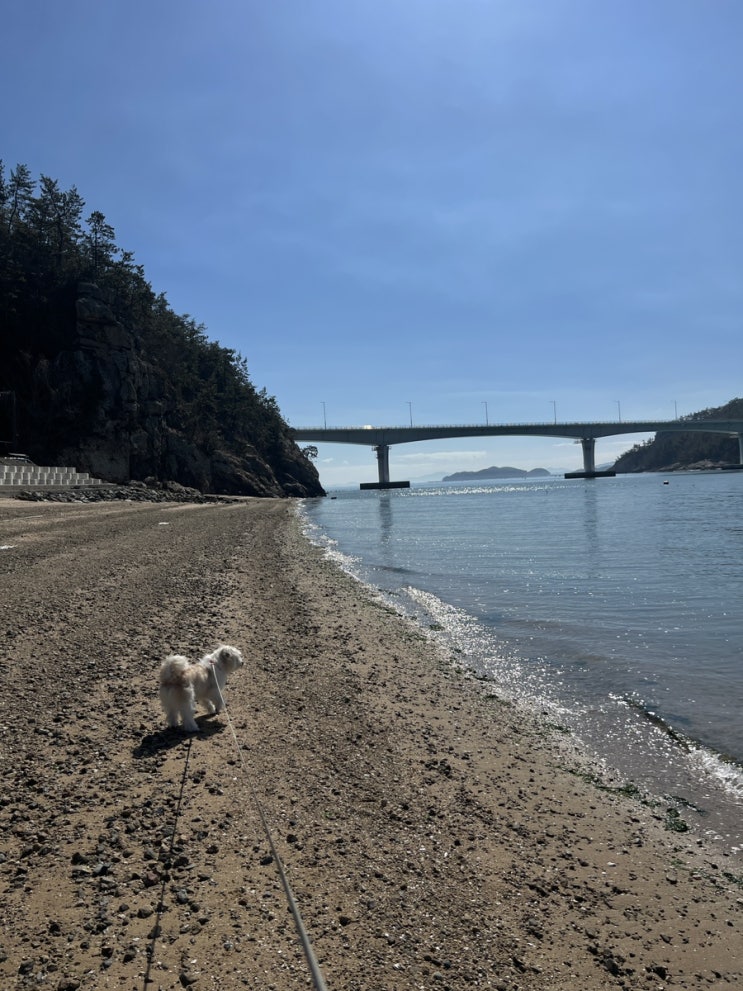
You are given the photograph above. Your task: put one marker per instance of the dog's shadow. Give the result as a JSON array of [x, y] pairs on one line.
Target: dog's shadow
[[167, 739]]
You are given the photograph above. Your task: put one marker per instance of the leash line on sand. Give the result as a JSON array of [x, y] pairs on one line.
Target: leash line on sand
[[157, 928], [312, 962]]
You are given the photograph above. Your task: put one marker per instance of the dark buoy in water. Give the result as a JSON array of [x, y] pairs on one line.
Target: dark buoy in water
[[666, 482]]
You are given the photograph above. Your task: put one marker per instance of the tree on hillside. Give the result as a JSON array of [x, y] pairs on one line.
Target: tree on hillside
[[55, 218], [667, 450], [100, 243], [199, 391], [17, 196]]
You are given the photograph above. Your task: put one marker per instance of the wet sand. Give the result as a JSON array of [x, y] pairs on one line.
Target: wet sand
[[434, 836]]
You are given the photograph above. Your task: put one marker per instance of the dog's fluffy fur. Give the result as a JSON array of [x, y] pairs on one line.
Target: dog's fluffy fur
[[183, 684]]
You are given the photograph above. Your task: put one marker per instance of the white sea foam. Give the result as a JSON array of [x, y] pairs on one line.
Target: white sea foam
[[346, 562], [729, 776]]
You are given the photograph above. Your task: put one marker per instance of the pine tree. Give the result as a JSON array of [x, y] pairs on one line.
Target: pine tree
[[100, 243], [19, 194], [56, 218]]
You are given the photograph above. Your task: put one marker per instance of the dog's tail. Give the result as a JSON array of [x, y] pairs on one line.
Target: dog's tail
[[172, 671]]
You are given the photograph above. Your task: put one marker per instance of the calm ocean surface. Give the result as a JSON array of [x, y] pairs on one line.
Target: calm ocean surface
[[614, 605]]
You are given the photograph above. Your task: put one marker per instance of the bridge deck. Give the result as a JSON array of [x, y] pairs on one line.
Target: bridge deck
[[382, 438], [375, 436]]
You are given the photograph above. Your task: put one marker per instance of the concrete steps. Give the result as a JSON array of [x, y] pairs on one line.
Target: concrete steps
[[28, 475]]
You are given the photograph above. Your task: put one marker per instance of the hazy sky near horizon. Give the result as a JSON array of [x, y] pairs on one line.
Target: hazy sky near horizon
[[436, 208]]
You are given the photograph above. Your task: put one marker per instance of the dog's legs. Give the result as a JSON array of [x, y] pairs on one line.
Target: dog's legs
[[171, 718], [213, 698], [171, 705], [179, 705], [188, 713]]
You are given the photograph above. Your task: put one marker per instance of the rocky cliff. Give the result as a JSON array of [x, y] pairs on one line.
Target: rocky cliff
[[680, 451], [99, 402]]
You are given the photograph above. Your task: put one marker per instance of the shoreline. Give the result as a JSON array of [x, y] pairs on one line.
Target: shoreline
[[699, 787], [625, 736], [433, 836]]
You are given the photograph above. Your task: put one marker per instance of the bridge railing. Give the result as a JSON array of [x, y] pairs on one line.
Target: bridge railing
[[473, 426]]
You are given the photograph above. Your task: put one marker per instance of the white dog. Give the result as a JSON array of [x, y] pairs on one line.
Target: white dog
[[182, 684]]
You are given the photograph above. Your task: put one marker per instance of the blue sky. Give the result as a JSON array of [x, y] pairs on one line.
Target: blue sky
[[415, 205]]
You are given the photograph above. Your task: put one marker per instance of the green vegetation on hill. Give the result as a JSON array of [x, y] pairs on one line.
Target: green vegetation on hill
[[104, 371], [679, 450]]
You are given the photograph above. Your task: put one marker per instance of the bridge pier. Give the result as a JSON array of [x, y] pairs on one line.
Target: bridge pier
[[589, 462], [383, 463], [589, 454], [739, 466], [383, 467]]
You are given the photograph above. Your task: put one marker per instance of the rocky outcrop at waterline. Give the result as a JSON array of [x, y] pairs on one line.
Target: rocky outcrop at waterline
[[100, 396]]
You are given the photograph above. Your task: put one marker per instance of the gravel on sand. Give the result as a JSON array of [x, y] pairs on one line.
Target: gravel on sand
[[434, 836]]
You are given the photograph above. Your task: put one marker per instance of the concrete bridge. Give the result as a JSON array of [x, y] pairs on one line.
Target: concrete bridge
[[382, 438]]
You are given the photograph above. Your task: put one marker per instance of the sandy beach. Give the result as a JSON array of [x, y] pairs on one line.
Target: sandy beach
[[434, 836]]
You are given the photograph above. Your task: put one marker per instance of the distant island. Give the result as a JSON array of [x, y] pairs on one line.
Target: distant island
[[495, 472]]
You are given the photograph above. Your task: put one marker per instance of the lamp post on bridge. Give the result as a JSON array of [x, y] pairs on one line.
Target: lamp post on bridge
[[619, 411], [486, 413], [554, 409], [410, 410], [324, 417]]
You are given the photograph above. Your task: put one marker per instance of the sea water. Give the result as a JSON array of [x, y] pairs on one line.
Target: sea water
[[611, 605]]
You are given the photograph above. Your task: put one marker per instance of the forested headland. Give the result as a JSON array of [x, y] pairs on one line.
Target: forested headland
[[99, 372], [675, 451]]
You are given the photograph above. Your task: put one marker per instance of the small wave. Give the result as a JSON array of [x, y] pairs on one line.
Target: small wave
[[316, 536], [726, 772], [683, 741], [483, 654]]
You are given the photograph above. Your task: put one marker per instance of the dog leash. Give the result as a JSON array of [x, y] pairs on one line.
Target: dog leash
[[312, 962], [156, 930]]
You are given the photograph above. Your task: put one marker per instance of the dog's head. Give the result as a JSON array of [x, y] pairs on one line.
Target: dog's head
[[229, 658]]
